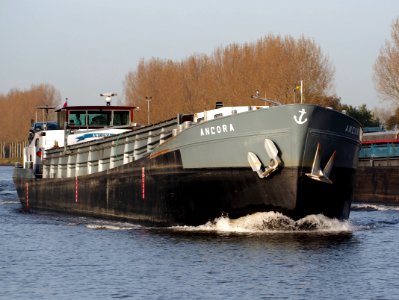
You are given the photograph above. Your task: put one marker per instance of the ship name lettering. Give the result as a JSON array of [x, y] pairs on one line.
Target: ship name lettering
[[352, 130], [224, 128]]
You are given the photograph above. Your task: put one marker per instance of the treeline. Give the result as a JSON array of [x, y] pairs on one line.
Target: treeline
[[274, 65], [11, 150], [19, 108]]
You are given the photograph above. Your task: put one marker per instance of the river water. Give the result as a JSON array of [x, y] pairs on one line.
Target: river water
[[262, 256]]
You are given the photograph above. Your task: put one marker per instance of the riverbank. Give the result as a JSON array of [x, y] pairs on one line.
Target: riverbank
[[9, 161]]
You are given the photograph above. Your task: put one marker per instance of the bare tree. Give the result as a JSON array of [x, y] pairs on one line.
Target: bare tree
[[19, 107], [386, 67], [275, 65], [384, 113]]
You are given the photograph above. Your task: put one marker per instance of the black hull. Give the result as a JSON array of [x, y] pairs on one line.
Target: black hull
[[161, 192]]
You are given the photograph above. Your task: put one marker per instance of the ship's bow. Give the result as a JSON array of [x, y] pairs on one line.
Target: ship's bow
[[326, 172]]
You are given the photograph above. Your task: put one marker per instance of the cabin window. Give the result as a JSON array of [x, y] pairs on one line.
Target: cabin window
[[77, 118], [99, 118], [121, 118]]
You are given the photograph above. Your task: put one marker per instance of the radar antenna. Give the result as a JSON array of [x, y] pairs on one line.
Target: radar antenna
[[108, 97]]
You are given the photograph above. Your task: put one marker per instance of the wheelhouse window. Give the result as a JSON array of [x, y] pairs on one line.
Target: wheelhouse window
[[99, 118], [121, 118], [77, 118]]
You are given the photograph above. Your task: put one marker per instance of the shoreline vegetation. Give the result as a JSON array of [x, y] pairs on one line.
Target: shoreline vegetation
[[9, 161]]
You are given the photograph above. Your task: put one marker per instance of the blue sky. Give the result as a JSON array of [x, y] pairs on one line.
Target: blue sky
[[85, 47]]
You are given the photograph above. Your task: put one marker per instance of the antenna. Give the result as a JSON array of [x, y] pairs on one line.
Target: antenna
[[257, 96], [108, 97], [45, 109]]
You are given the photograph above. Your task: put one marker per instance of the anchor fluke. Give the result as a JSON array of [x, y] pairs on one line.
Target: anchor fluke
[[317, 173], [271, 149], [254, 162]]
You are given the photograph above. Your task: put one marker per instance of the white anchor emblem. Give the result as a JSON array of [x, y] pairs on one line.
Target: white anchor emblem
[[299, 120]]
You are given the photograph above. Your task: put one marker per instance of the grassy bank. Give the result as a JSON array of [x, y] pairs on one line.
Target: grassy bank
[[9, 161]]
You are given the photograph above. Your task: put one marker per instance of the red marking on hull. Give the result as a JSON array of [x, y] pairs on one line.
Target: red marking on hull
[[143, 183], [76, 190], [27, 195]]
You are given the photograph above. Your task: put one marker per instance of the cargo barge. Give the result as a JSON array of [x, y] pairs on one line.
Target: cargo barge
[[377, 179], [297, 159]]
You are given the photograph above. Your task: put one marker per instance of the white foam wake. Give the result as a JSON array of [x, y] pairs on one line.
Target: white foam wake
[[271, 222], [112, 226], [9, 202]]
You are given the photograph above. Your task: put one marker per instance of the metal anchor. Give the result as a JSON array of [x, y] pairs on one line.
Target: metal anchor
[[316, 172], [275, 161]]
